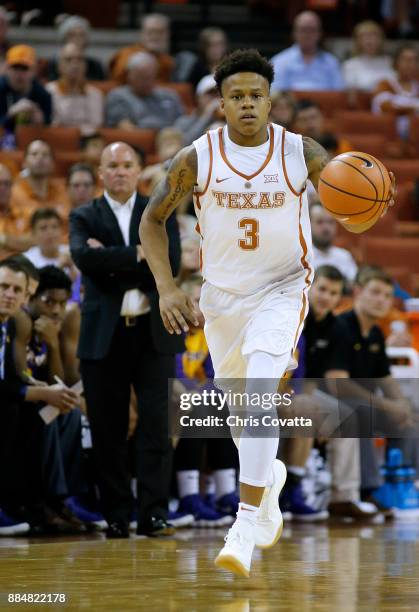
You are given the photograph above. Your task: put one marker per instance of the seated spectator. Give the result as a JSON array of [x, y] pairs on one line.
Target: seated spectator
[[141, 103], [81, 185], [154, 38], [323, 229], [309, 121], [194, 371], [363, 358], [189, 263], [20, 466], [23, 99], [208, 109], [212, 46], [168, 142], [13, 238], [76, 29], [4, 43], [49, 250], [400, 95], [75, 102], [369, 64], [36, 188], [45, 352], [91, 149], [282, 109], [305, 66]]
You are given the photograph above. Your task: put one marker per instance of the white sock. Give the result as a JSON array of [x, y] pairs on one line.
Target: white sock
[[187, 482], [257, 455], [247, 513], [225, 482], [209, 484]]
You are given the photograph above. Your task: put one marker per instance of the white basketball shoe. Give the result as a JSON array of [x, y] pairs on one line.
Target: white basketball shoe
[[236, 555], [269, 523]]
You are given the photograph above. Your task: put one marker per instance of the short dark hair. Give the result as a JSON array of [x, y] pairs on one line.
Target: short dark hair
[[15, 266], [368, 273], [44, 213], [51, 277], [243, 60], [79, 167], [401, 49], [84, 140], [305, 103], [329, 272], [27, 266]]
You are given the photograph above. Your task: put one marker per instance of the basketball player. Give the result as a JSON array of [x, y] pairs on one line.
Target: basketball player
[[248, 181]]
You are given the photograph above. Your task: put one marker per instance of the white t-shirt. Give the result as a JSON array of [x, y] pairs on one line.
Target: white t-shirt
[[39, 260], [363, 72], [338, 257]]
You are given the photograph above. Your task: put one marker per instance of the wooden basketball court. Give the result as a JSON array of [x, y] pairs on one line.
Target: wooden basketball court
[[313, 567]]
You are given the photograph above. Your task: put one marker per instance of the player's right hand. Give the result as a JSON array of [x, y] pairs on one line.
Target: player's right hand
[[61, 397], [176, 309]]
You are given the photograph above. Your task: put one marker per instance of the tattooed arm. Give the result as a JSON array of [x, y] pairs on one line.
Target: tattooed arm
[[175, 306], [316, 159]]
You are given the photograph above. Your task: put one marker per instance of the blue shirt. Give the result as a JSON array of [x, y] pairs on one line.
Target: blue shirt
[[292, 72]]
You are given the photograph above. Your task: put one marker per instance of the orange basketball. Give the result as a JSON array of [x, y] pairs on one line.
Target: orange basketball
[[355, 188]]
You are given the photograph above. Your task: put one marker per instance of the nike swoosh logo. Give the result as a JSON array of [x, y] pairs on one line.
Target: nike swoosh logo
[[217, 180]]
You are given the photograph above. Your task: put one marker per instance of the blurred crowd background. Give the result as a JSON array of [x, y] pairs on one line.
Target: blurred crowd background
[[74, 79]]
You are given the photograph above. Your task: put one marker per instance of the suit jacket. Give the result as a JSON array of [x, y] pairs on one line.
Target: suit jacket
[[12, 388], [110, 271]]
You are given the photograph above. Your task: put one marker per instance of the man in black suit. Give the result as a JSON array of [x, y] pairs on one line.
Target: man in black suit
[[122, 343]]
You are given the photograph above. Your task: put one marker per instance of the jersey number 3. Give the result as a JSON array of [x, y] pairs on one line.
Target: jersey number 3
[[251, 234]]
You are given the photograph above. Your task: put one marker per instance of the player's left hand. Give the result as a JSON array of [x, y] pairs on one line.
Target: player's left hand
[[393, 194]]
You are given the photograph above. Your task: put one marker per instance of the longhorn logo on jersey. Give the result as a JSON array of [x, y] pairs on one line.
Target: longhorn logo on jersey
[[246, 200]]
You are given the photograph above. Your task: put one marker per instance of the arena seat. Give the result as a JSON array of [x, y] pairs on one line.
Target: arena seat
[[144, 139], [185, 92], [405, 207], [414, 133], [391, 252], [329, 101], [104, 86], [64, 161], [60, 138], [12, 160], [363, 122], [405, 170], [374, 144]]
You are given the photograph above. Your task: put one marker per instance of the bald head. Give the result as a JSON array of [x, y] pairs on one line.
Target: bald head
[[142, 73], [307, 30], [119, 170], [5, 186]]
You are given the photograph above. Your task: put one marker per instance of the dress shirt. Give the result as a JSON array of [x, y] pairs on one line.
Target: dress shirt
[[292, 72], [134, 302]]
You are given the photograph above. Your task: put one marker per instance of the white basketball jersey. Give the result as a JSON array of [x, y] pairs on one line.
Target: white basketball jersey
[[252, 211]]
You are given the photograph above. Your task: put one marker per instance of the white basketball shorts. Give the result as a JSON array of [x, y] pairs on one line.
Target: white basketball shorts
[[270, 320]]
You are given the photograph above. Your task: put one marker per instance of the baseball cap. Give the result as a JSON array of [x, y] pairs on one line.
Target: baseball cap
[[21, 55], [206, 84]]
